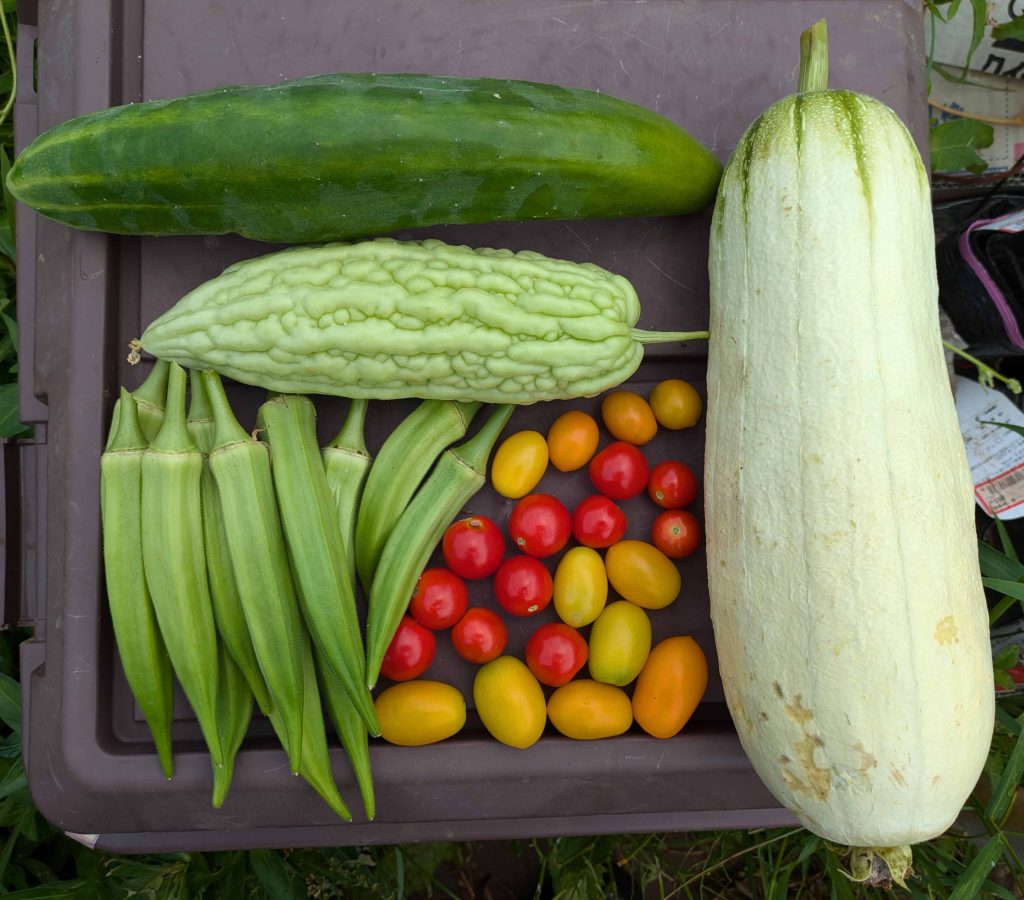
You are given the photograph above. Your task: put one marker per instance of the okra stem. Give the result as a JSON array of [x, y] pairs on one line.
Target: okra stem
[[399, 469], [175, 560], [458, 475], [150, 397], [347, 463], [144, 658]]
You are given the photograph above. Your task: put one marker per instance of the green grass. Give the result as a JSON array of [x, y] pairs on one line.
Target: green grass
[[38, 861]]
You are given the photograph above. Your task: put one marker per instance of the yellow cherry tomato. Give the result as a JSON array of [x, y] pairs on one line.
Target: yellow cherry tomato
[[620, 640], [519, 464], [671, 684], [589, 710], [572, 440], [676, 404], [414, 713], [629, 417], [642, 573], [581, 586], [510, 702]]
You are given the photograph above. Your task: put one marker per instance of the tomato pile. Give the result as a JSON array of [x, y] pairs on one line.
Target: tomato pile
[[603, 582]]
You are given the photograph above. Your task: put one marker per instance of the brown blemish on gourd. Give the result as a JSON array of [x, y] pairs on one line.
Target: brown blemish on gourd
[[798, 712], [867, 760], [935, 779], [897, 776], [763, 716], [816, 781], [778, 690], [785, 760], [946, 631]]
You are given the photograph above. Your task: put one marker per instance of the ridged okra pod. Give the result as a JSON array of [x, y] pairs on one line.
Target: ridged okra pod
[[227, 605], [399, 468], [149, 400], [139, 642], [459, 474], [314, 544], [316, 760], [175, 559], [351, 729], [259, 561], [234, 710], [347, 463]]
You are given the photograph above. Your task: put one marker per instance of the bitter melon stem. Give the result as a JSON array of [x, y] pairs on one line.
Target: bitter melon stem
[[668, 337]]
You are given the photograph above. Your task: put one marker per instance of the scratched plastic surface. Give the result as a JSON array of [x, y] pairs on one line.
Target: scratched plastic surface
[[710, 66]]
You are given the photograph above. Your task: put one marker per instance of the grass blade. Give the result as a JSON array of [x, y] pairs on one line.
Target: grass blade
[[976, 874], [1008, 782]]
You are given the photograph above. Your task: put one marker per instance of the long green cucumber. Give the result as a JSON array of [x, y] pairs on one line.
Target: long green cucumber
[[351, 155]]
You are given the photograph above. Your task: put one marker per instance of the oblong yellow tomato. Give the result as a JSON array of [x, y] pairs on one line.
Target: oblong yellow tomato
[[414, 713], [589, 710], [581, 586], [671, 684], [572, 440], [510, 702], [519, 464], [676, 404], [640, 572], [620, 640], [629, 417]]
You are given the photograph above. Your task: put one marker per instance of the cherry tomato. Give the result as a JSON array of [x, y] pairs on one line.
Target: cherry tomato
[[619, 471], [643, 574], [676, 404], [480, 635], [628, 417], [555, 653], [669, 687], [473, 547], [672, 484], [598, 522], [523, 586], [510, 702], [676, 533], [540, 525], [580, 586], [410, 652], [420, 712], [440, 599], [572, 440], [519, 464]]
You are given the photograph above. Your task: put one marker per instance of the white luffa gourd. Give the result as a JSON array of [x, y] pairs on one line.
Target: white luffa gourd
[[846, 595]]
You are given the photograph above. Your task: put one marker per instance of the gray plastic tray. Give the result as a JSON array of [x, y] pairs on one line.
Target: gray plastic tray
[[710, 66]]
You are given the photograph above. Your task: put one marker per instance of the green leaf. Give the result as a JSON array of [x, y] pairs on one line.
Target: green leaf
[[1003, 679], [1008, 782], [273, 876], [10, 425], [10, 702], [999, 610], [1007, 657], [1012, 30], [1013, 588], [976, 874], [1004, 536], [954, 145], [979, 10], [76, 889], [998, 565], [1016, 428], [5, 167], [14, 779]]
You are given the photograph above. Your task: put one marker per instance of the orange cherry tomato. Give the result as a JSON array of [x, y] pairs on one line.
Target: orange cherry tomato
[[572, 440], [671, 684], [629, 417], [676, 404]]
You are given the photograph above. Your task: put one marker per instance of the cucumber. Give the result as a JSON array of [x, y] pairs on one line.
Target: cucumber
[[354, 155]]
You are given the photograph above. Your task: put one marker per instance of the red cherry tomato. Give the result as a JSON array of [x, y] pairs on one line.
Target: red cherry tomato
[[555, 653], [597, 522], [676, 533], [480, 635], [473, 547], [410, 652], [440, 599], [523, 586], [540, 525], [619, 471], [672, 485]]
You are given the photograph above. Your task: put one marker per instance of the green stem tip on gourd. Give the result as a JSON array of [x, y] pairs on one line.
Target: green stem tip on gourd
[[814, 58], [880, 866]]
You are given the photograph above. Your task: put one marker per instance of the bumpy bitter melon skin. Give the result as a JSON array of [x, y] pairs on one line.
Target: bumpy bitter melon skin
[[386, 319], [344, 156]]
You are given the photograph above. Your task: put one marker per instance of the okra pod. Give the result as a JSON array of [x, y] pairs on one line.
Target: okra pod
[[139, 642], [347, 463], [227, 605], [175, 561], [316, 759], [149, 400], [259, 561], [314, 544], [351, 730], [459, 474], [399, 469], [234, 710]]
